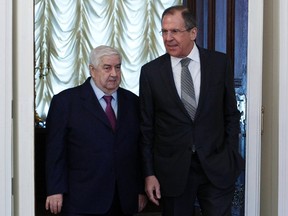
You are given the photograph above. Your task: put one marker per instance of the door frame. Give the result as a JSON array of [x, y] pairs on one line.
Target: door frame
[[23, 108], [23, 56], [254, 107], [6, 108]]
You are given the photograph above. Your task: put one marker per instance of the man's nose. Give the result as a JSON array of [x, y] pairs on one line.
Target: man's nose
[[113, 71], [169, 35]]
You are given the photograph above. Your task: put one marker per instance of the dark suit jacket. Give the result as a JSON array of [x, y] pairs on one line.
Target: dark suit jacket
[[169, 133], [85, 158]]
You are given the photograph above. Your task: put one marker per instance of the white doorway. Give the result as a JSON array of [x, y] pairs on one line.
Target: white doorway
[[23, 87]]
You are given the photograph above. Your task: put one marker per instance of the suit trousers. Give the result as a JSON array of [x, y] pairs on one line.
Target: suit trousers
[[115, 209], [213, 201]]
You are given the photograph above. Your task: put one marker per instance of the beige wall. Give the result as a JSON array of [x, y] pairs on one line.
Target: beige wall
[[269, 151], [274, 96], [269, 168]]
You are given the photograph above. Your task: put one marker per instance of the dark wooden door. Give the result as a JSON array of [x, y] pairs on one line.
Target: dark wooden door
[[222, 26]]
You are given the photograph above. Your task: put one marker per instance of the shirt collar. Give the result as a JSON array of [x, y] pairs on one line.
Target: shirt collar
[[194, 55], [99, 93]]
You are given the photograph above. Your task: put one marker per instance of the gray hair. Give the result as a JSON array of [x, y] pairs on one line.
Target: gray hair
[[188, 16], [99, 52]]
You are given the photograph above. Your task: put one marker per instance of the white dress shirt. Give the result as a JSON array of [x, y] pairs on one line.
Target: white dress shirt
[[194, 68], [99, 94]]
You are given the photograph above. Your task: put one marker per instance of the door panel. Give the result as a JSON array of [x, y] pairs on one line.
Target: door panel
[[222, 26]]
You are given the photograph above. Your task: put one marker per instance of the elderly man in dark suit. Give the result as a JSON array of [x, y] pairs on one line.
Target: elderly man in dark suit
[[92, 159], [189, 123]]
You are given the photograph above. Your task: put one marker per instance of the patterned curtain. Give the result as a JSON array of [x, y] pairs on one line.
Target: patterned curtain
[[66, 31]]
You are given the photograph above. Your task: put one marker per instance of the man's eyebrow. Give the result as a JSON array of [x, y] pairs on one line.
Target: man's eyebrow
[[109, 65]]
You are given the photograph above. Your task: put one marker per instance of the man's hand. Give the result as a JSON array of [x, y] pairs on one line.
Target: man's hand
[[54, 203], [152, 188], [142, 201]]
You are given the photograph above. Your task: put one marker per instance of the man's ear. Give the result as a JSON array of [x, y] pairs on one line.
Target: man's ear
[[193, 33]]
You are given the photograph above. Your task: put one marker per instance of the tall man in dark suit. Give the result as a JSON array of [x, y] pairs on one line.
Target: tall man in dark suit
[[190, 140], [92, 164]]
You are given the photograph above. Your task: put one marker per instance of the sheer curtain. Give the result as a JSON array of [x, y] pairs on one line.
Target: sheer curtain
[[66, 31]]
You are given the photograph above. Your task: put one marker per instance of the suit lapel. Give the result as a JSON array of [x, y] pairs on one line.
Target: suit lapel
[[204, 78], [122, 108], [91, 103], [168, 80]]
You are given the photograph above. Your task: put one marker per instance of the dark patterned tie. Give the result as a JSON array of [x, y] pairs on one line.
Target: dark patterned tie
[[187, 89], [109, 111]]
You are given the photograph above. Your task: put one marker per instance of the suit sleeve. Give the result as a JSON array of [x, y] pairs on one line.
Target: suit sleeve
[[146, 126], [56, 171]]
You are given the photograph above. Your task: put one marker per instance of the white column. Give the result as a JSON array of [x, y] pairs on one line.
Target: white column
[[6, 107], [254, 104], [23, 91], [283, 109]]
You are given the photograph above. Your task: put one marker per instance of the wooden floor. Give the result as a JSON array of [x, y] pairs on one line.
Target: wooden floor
[[150, 210], [46, 213], [40, 210], [140, 214]]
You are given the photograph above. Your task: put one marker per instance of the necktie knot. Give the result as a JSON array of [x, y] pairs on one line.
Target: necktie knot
[[185, 62], [107, 99]]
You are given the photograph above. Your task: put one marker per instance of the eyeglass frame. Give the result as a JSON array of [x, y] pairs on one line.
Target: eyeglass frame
[[173, 32]]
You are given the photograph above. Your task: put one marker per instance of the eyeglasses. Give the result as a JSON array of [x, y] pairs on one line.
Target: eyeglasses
[[173, 32]]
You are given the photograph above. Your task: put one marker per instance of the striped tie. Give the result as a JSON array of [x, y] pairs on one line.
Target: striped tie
[[187, 89]]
